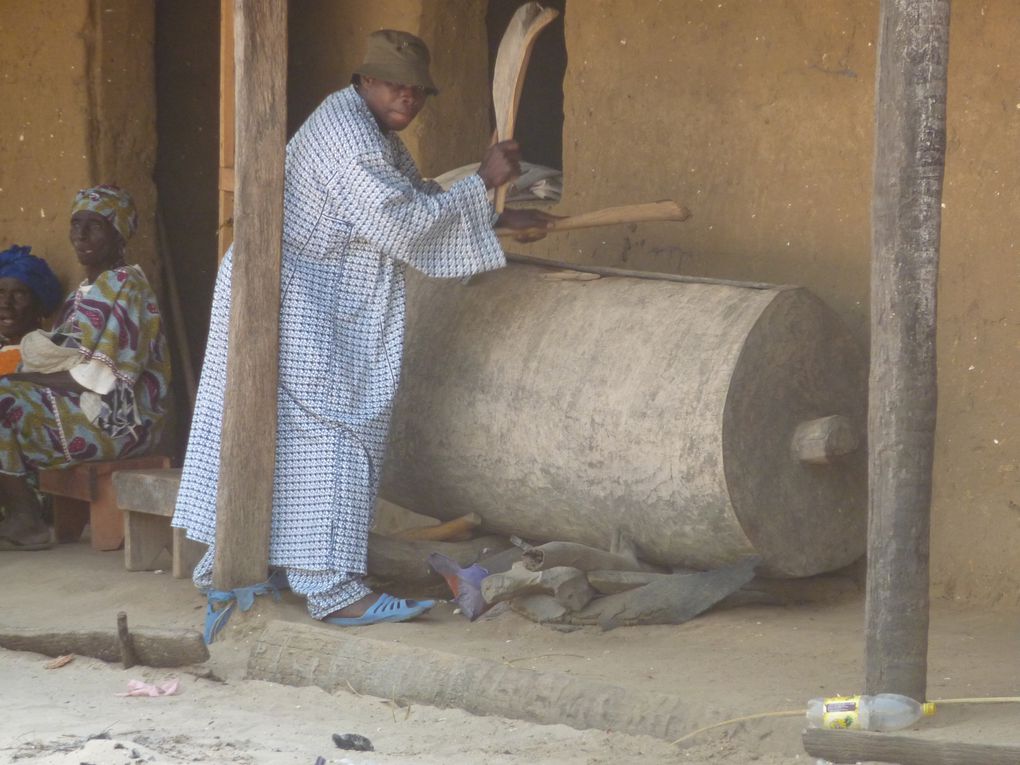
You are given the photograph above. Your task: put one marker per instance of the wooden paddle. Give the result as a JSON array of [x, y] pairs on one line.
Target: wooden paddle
[[511, 64], [665, 210]]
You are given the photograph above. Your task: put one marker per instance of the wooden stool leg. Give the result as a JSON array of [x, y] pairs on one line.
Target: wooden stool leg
[[106, 519], [145, 537], [186, 554], [69, 518]]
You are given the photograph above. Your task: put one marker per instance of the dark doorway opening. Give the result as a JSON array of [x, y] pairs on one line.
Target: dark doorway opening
[[187, 50]]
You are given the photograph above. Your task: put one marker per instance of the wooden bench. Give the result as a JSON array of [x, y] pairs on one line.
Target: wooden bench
[[83, 494], [147, 498]]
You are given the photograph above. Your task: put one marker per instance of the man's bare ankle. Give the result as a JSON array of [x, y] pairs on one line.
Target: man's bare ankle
[[356, 609]]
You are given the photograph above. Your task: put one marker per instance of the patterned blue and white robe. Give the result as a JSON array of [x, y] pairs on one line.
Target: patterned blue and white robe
[[356, 214]]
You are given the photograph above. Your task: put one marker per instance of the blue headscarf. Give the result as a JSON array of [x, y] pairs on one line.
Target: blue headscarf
[[34, 273]]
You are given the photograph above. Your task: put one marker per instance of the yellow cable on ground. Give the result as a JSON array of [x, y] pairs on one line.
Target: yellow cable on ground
[[799, 712]]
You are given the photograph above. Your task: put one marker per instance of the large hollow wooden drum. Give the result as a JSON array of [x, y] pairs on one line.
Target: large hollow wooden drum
[[705, 420]]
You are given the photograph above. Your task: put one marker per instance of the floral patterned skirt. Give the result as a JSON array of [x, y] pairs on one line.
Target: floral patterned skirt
[[45, 428]]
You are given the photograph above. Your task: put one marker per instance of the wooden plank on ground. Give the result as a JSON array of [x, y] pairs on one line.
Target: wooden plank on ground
[[844, 746]]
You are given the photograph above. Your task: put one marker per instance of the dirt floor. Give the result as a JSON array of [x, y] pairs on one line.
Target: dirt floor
[[728, 664]]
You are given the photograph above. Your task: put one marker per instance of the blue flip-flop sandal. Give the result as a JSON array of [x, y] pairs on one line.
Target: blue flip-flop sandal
[[386, 609]]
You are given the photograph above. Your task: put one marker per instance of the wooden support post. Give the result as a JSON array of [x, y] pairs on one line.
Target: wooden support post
[[225, 226], [248, 450], [910, 142]]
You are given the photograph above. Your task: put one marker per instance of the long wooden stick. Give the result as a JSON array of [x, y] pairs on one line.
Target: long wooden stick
[[629, 273], [456, 530], [511, 64], [152, 647], [665, 210]]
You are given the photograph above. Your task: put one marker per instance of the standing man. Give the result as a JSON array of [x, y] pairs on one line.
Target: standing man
[[356, 214]]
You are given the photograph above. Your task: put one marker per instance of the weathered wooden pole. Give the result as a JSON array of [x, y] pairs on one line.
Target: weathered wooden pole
[[248, 446], [910, 144], [225, 225]]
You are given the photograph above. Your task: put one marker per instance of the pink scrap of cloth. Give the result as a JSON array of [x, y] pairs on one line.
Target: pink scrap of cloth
[[139, 688]]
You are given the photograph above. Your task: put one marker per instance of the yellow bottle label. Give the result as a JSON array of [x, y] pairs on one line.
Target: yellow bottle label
[[841, 713]]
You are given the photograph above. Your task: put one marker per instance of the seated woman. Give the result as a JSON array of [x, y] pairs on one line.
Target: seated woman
[[94, 388], [29, 290]]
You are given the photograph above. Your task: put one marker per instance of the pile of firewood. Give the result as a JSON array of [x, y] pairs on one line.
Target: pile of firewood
[[568, 583]]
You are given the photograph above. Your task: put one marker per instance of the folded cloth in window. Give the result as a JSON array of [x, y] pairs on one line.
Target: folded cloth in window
[[537, 182]]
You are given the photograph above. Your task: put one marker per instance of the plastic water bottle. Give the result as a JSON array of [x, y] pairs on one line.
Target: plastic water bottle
[[882, 712]]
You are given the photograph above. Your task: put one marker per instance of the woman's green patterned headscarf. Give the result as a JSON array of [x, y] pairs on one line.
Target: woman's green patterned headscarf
[[112, 203]]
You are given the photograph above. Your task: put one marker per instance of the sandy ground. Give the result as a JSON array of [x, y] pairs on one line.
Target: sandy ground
[[730, 664]]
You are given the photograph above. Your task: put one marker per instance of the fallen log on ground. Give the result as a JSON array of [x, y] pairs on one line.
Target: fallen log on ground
[[311, 654], [151, 647], [569, 586]]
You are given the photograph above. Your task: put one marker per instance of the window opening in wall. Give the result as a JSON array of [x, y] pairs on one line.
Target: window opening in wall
[[539, 127]]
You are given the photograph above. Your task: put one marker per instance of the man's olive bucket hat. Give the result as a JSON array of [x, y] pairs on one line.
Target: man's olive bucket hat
[[398, 57]]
